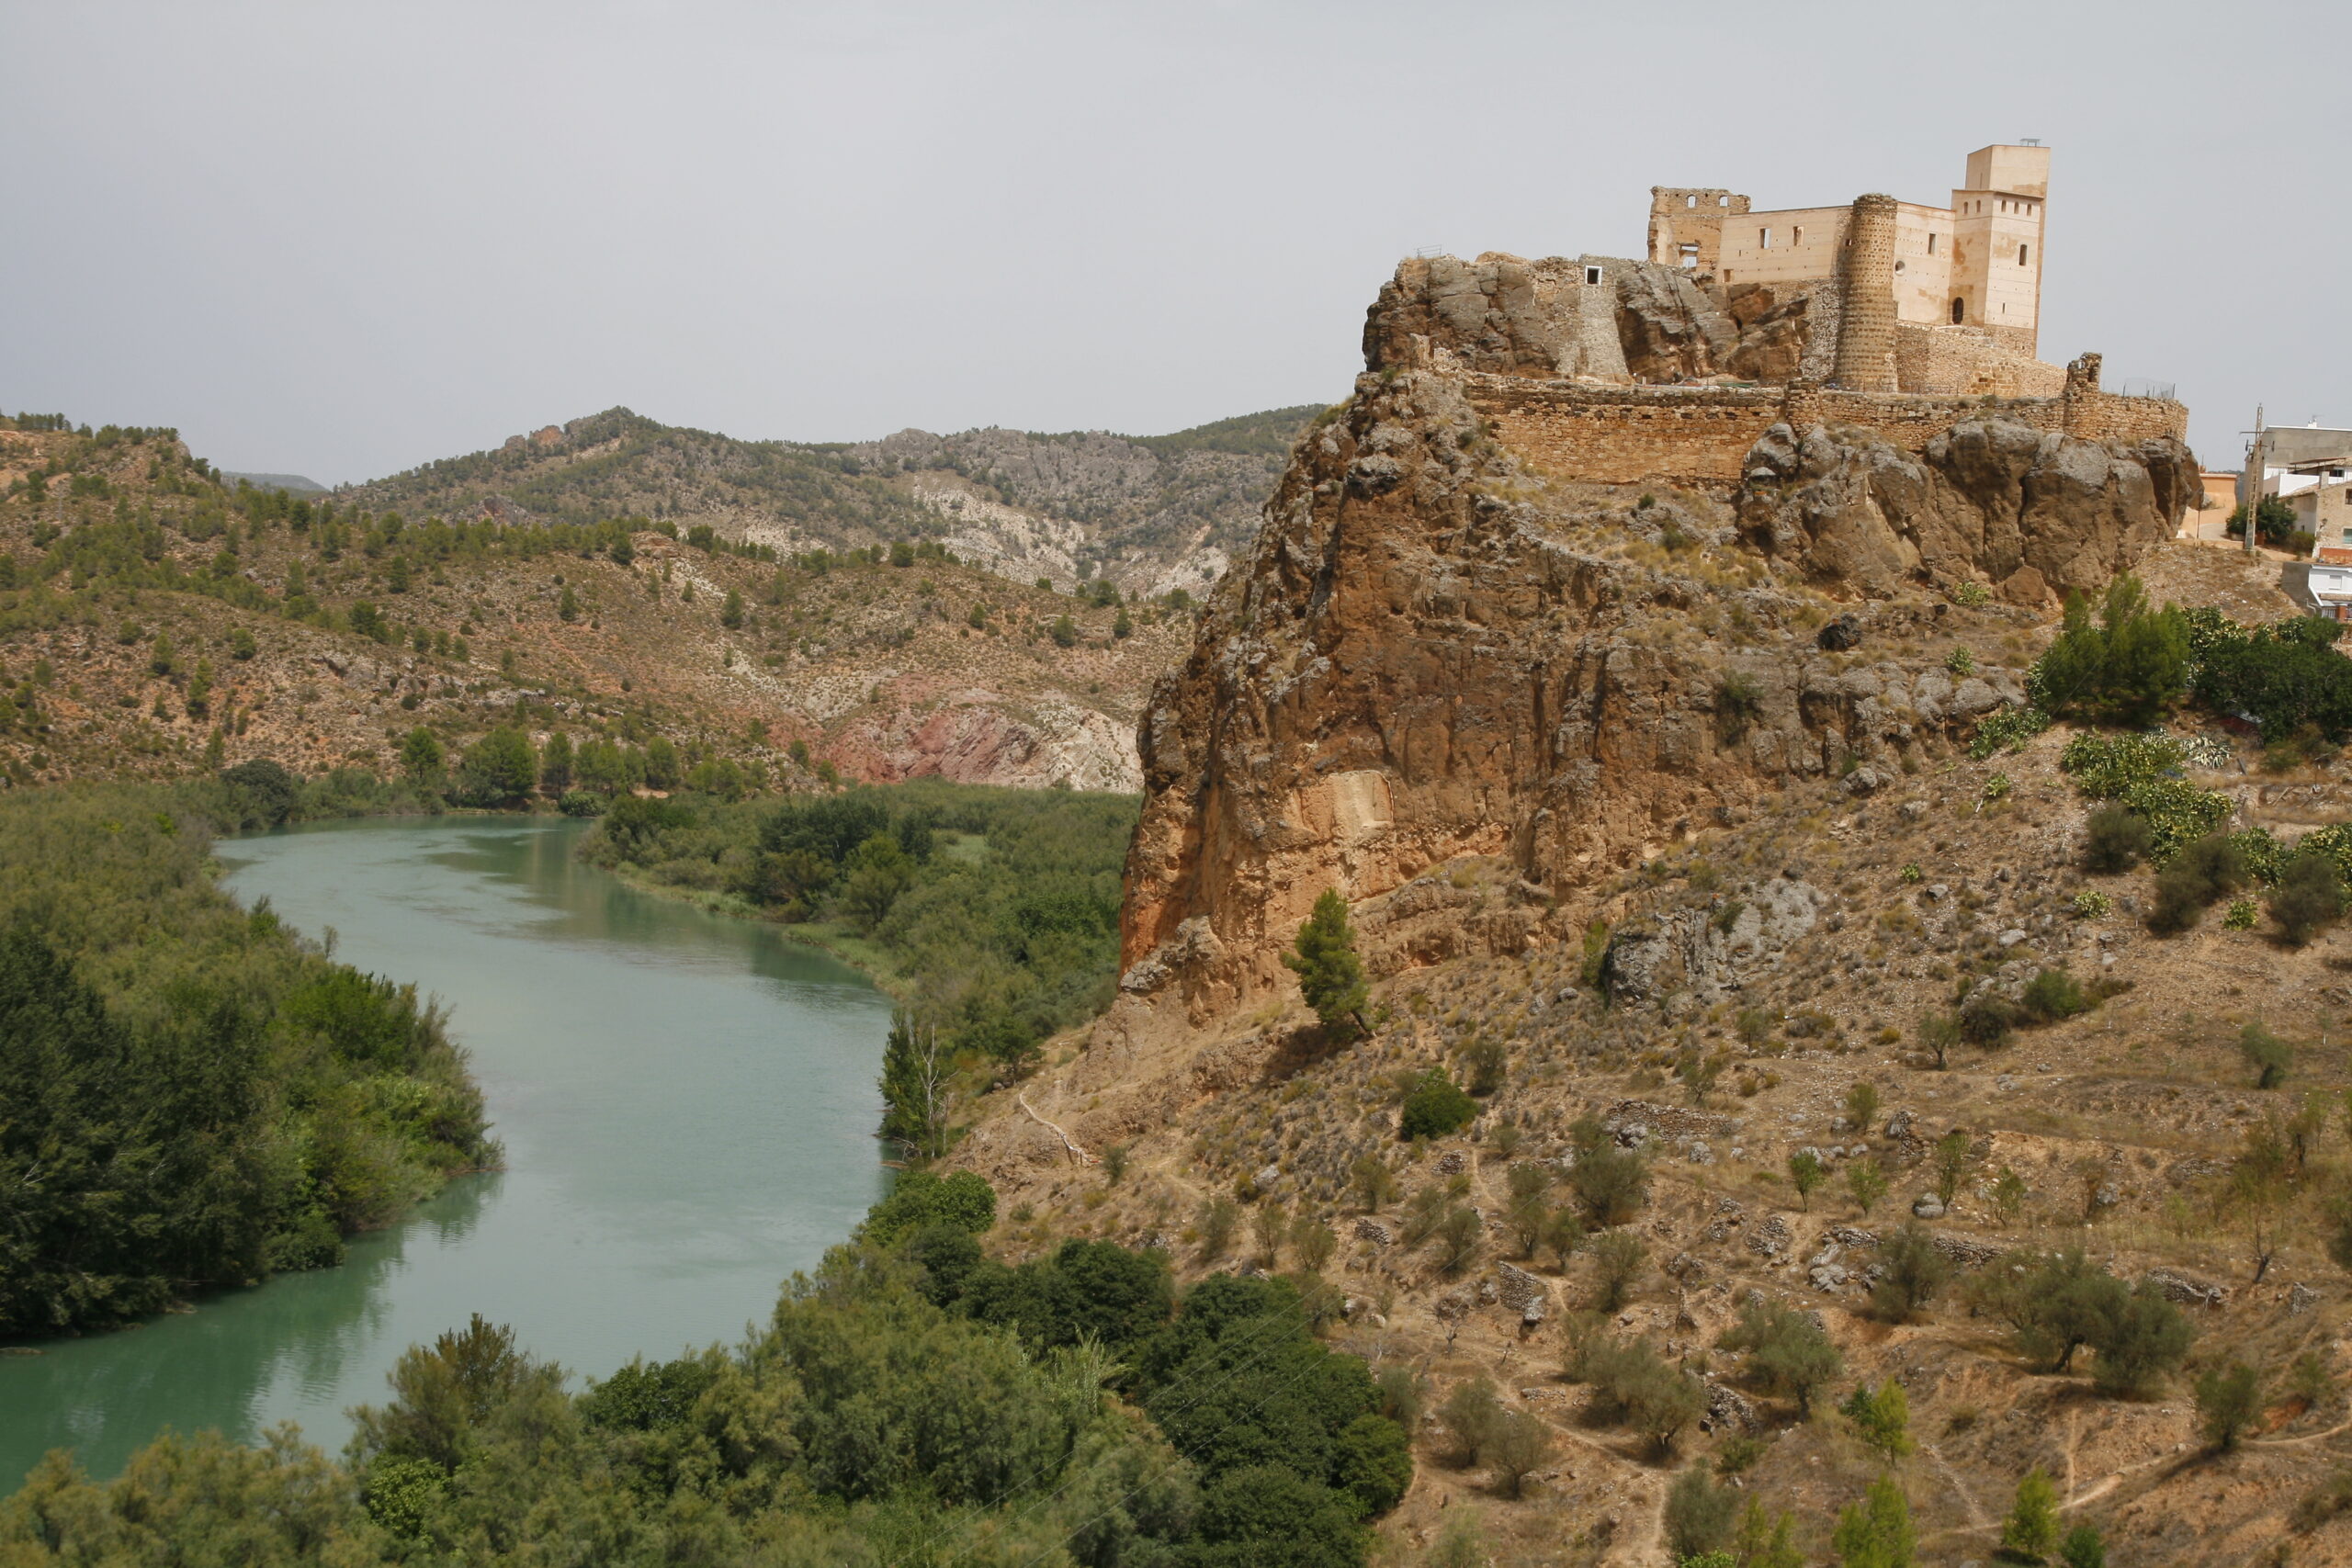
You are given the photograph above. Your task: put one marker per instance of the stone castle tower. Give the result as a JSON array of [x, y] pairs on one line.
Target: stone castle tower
[[1897, 269]]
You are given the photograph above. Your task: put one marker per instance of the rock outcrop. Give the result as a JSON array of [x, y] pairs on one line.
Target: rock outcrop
[[1509, 316], [2033, 512], [1468, 708]]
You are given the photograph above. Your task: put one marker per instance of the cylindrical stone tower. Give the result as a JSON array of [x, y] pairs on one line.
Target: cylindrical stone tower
[[1866, 319]]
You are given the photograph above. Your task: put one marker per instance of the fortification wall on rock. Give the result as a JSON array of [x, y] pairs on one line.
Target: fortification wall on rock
[[1700, 435]]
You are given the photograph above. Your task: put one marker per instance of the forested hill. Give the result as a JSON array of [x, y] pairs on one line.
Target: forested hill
[[1149, 513]]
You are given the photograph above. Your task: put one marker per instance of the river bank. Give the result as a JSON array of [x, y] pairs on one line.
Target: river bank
[[687, 1106]]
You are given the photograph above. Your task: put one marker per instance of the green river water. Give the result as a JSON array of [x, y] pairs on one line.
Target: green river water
[[687, 1104]]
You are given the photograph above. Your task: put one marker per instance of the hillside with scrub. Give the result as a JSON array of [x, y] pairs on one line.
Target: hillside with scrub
[[154, 621]]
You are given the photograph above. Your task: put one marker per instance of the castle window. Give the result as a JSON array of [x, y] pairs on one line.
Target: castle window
[[1689, 258], [1796, 234], [1959, 311], [2021, 253], [1931, 245], [1763, 239], [1689, 201], [1899, 264]]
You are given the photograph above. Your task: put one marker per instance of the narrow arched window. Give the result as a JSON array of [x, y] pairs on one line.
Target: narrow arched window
[[1959, 311]]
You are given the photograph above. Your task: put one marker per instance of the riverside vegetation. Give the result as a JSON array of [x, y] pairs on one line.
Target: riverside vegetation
[[910, 1402], [193, 1096]]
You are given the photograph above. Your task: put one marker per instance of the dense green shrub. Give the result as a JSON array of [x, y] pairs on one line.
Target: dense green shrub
[[2053, 995], [2008, 728], [2177, 812], [1613, 1183], [1436, 1105], [192, 1096], [2115, 839], [2284, 677], [2106, 767], [2204, 871], [2309, 897]]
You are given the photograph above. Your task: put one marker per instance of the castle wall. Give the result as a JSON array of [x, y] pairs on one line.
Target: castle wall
[[1969, 362], [1700, 435], [1792, 245], [1922, 281]]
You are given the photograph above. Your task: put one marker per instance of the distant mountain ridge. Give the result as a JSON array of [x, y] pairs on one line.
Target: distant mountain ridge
[[297, 483], [1152, 513]]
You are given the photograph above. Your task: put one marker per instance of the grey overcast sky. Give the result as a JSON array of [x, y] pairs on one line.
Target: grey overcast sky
[[343, 239]]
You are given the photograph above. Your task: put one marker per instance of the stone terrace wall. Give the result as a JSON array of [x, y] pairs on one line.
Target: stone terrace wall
[[1700, 435]]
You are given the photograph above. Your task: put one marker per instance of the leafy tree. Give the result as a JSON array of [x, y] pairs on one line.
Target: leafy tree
[[1881, 1418], [500, 769], [660, 764], [1940, 1031], [1699, 1513], [1805, 1173], [1436, 1107], [1868, 1184], [2083, 1548], [1617, 1257], [1764, 1540], [1954, 1157], [2030, 1532], [1613, 1183], [1374, 1183], [1876, 1532], [2228, 1399], [1915, 1273], [555, 765], [422, 760], [1330, 976], [1786, 1349], [2270, 1057], [2141, 1337], [263, 794], [1064, 631]]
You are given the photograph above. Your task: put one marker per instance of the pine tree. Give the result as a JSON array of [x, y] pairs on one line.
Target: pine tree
[[1876, 1532], [2030, 1532], [1330, 976]]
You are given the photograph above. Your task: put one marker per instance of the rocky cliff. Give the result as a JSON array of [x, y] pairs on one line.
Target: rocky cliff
[[1432, 655]]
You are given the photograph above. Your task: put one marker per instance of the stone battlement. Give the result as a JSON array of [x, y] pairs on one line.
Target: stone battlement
[[1700, 435]]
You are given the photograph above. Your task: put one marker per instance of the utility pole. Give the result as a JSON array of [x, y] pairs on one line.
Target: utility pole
[[2250, 482]]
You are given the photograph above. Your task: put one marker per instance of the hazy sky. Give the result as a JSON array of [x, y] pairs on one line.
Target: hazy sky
[[341, 239]]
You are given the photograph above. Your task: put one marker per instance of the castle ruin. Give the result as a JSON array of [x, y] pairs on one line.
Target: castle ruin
[[1888, 315]]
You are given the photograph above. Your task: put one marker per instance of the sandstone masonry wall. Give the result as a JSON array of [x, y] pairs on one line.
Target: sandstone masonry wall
[[1700, 435]]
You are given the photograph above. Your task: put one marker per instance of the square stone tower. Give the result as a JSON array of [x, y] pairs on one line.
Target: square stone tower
[[1997, 220]]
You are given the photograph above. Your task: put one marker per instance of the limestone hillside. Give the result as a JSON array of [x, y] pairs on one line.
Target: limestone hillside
[[1658, 808], [1149, 514], [144, 606]]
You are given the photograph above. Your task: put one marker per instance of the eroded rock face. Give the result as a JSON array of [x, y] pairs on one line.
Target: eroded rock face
[[1412, 668], [2034, 512], [1508, 316]]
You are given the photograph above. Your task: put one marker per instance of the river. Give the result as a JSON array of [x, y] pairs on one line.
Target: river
[[687, 1104]]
